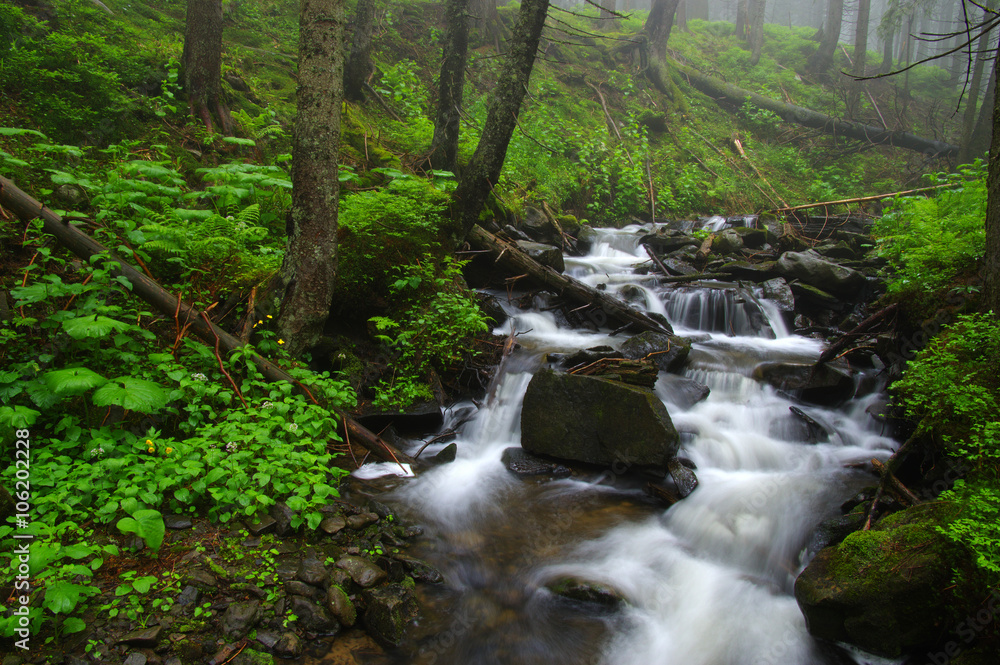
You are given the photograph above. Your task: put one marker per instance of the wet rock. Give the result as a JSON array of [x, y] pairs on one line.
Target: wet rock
[[727, 242], [364, 573], [816, 432], [361, 521], [333, 525], [412, 531], [587, 356], [491, 307], [897, 604], [667, 240], [547, 255], [311, 571], [189, 595], [807, 296], [312, 617], [265, 524], [283, 516], [420, 570], [289, 646], [586, 237], [525, 465], [177, 522], [446, 455], [834, 530], [536, 225], [752, 238], [587, 592], [70, 660], [752, 272], [515, 234], [677, 266], [671, 351], [684, 478], [837, 250], [681, 391], [135, 658], [340, 606], [596, 421], [297, 588], [240, 619], [173, 660], [287, 568], [267, 638], [388, 610], [778, 291], [819, 384], [815, 270], [145, 638]]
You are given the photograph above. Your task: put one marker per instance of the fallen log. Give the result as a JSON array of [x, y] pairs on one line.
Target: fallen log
[[78, 242], [848, 337], [866, 199], [512, 258], [809, 118]]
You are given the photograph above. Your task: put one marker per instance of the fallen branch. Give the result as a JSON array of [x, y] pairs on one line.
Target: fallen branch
[[862, 327], [889, 478], [513, 259], [78, 242], [864, 199]]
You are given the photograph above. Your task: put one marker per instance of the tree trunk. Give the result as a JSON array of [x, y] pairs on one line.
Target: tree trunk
[[861, 37], [741, 19], [721, 91], [991, 259], [682, 15], [755, 29], [487, 21], [697, 9], [444, 146], [607, 14], [483, 170], [201, 63], [968, 150], [822, 59], [310, 265], [359, 65], [658, 25], [982, 134], [886, 65]]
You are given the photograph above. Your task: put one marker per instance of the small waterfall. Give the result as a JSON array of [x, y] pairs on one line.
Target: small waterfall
[[707, 582]]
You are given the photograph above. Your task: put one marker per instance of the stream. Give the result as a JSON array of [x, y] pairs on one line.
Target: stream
[[709, 580]]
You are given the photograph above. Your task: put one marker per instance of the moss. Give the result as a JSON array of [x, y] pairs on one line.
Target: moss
[[252, 657]]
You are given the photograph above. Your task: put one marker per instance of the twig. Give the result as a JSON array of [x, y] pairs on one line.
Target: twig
[[222, 367], [863, 199]]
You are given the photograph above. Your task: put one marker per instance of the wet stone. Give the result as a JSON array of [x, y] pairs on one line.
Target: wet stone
[[412, 531], [266, 524], [188, 596], [135, 658], [283, 516], [240, 618], [144, 638], [684, 478], [379, 508], [312, 571], [297, 588], [340, 606], [287, 568], [333, 525], [362, 520], [267, 638], [389, 609], [364, 573], [312, 617], [524, 465], [177, 522], [420, 570], [446, 455]]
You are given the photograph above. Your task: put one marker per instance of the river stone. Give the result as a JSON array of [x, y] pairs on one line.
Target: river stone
[[834, 530], [289, 646], [819, 384], [388, 610], [586, 237], [240, 618], [420, 570], [361, 520], [515, 233], [340, 606], [265, 524], [547, 255], [446, 455], [525, 465], [810, 296], [878, 590], [283, 516], [189, 595], [364, 573], [681, 391], [684, 477], [596, 421], [778, 291], [537, 225], [727, 242], [671, 351], [586, 592], [751, 272], [297, 588], [311, 571], [135, 658], [813, 269], [837, 250], [678, 267], [312, 617], [333, 525], [177, 522], [143, 638], [752, 238]]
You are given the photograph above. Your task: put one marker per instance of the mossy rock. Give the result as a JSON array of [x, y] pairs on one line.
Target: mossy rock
[[357, 143], [882, 590]]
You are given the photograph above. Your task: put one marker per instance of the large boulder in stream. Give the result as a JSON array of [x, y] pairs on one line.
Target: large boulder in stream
[[815, 270], [596, 421], [882, 590], [819, 383]]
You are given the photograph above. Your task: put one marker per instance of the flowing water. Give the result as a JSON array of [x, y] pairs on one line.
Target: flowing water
[[707, 581]]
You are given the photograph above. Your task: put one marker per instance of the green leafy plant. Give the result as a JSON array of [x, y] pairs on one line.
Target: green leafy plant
[[148, 525]]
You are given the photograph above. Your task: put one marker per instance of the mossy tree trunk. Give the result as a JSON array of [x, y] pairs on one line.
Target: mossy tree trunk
[[658, 25], [483, 170], [359, 65], [755, 29], [982, 133], [487, 21], [991, 260], [310, 265], [822, 59], [444, 146], [201, 63], [968, 149]]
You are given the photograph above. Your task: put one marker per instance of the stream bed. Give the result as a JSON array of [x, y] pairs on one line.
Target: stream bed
[[709, 580]]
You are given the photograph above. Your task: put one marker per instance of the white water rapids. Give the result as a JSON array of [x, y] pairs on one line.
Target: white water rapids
[[707, 581]]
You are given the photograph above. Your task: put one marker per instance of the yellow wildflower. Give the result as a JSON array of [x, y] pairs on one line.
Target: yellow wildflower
[[281, 341], [170, 450]]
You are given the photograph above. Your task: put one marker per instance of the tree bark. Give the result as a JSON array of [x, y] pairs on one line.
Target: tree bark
[[682, 15], [78, 242], [607, 14], [861, 37], [201, 63], [741, 19], [809, 118], [968, 149], [697, 9], [483, 170], [755, 29], [658, 26], [982, 134], [991, 259], [307, 277], [444, 145], [487, 21], [886, 65], [822, 59], [359, 65]]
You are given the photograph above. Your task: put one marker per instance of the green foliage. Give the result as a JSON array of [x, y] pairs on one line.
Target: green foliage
[[148, 525], [930, 241], [977, 527], [438, 320]]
